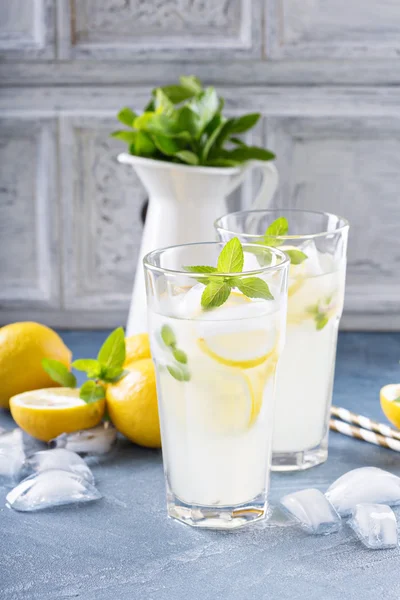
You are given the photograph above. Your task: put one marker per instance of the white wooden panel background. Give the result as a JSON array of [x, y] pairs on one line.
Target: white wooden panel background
[[324, 74]]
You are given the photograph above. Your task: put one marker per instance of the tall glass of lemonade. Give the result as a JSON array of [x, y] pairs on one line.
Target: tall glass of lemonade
[[217, 324], [316, 244]]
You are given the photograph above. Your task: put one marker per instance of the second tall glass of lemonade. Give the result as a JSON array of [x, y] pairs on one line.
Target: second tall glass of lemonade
[[317, 244], [216, 338]]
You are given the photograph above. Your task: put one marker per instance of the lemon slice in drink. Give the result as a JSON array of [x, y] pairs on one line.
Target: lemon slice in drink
[[390, 402], [47, 413], [222, 400], [240, 349]]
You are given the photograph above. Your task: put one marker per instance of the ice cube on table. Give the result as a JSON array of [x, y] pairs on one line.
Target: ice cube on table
[[12, 455], [51, 488], [364, 485], [58, 458], [375, 525], [312, 511], [98, 440]]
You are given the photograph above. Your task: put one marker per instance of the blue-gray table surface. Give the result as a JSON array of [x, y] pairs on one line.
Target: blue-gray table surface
[[123, 547]]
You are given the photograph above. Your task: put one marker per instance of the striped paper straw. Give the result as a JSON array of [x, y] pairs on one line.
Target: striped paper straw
[[364, 434], [364, 422]]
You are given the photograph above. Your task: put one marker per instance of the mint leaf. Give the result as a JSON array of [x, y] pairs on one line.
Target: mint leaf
[[244, 153], [397, 400], [126, 116], [200, 269], [59, 372], [278, 227], [91, 366], [215, 294], [205, 105], [180, 356], [187, 157], [92, 392], [191, 83], [144, 145], [112, 374], [168, 336], [253, 287], [231, 258], [176, 93], [112, 352], [296, 256], [126, 136], [321, 320], [178, 373]]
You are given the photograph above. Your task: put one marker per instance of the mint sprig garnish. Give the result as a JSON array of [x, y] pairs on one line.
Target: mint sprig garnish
[[107, 368], [184, 123], [178, 369], [218, 288], [59, 372], [321, 313], [280, 227]]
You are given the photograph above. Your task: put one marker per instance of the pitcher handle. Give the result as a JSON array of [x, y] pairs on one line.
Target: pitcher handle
[[269, 184]]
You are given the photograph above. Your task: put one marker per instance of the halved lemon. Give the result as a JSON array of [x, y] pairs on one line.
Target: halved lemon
[[390, 402], [45, 414], [240, 349]]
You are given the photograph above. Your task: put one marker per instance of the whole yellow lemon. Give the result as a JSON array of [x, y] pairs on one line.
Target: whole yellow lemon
[[132, 404], [22, 348], [137, 347]]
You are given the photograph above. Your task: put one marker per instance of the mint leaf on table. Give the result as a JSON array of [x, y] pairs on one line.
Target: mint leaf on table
[[59, 372], [192, 114], [92, 392], [112, 353], [218, 288]]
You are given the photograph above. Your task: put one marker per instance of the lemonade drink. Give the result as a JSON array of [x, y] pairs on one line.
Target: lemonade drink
[[215, 381], [315, 303]]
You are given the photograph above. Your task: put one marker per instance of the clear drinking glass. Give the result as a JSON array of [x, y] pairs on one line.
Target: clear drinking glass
[[315, 304], [215, 382]]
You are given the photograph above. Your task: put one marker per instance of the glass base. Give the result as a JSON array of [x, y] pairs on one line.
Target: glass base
[[218, 517], [299, 461]]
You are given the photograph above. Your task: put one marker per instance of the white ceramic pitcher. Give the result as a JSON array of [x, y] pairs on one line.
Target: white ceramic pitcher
[[184, 202]]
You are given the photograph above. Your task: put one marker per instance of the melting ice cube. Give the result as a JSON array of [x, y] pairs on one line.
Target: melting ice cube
[[51, 488], [11, 454], [375, 525], [98, 440], [364, 485], [312, 511], [58, 458]]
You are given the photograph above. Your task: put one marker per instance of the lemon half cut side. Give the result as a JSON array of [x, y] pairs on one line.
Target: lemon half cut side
[[44, 414]]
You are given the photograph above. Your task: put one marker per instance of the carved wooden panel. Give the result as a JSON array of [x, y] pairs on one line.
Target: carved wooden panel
[[166, 30], [349, 166], [29, 272], [26, 29], [102, 202], [333, 29]]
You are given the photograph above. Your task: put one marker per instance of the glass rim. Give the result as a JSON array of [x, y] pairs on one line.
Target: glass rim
[[282, 265], [307, 236]]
